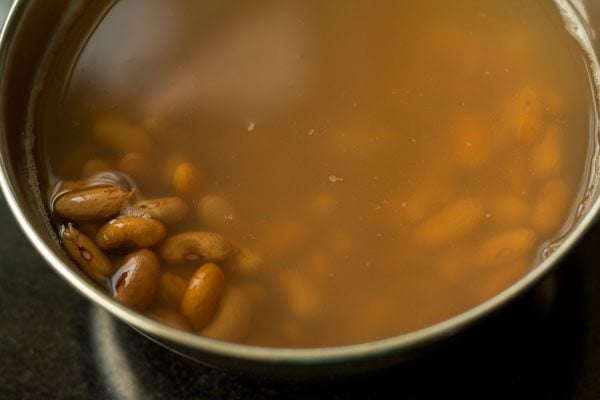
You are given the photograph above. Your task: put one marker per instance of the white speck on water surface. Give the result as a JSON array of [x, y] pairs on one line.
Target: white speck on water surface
[[334, 179], [380, 205], [229, 217], [251, 126], [311, 132], [488, 216]]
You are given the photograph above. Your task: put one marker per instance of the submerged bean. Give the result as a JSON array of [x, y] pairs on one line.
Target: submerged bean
[[135, 282], [550, 212], [188, 180], [168, 210], [505, 247], [191, 246], [130, 232], [202, 295], [302, 295], [232, 318], [86, 254], [546, 156], [96, 203], [246, 260], [454, 221], [421, 201], [527, 115]]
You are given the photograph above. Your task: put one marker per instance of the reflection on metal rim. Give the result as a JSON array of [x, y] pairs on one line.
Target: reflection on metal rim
[[114, 366]]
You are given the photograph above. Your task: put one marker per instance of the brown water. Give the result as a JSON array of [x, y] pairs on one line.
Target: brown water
[[394, 163]]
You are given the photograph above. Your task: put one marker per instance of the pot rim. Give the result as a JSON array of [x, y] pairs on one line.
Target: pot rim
[[9, 182]]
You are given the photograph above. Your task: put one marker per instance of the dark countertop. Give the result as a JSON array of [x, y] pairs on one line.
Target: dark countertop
[[55, 344]]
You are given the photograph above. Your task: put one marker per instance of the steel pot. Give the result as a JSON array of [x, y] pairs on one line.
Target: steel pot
[[23, 44]]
